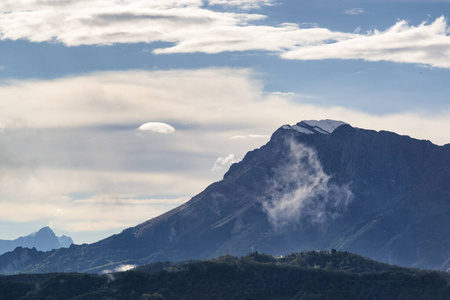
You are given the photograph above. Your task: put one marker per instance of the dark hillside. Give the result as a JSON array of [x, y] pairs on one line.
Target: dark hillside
[[306, 275]]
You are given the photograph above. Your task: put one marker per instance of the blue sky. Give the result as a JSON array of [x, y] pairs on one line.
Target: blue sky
[[79, 78]]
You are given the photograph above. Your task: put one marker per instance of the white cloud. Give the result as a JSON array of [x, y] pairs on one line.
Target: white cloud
[[182, 96], [294, 95], [124, 98], [80, 218], [90, 22], [244, 4], [250, 136], [427, 44], [301, 190], [354, 11], [52, 183], [191, 27], [157, 127], [72, 200], [112, 199], [123, 268], [221, 162], [237, 37]]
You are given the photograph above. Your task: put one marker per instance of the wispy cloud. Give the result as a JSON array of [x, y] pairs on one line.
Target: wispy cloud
[[71, 199], [427, 44], [91, 22], [181, 96], [250, 136], [121, 268], [221, 162], [244, 4], [300, 191], [354, 11], [191, 27], [129, 200], [294, 95]]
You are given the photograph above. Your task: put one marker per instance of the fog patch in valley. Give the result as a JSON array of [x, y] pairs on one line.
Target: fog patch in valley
[[121, 268]]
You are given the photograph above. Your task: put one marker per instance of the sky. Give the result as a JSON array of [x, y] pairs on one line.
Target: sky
[[116, 111]]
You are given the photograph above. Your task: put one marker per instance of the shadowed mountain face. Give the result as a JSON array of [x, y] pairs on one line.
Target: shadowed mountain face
[[315, 185], [43, 240]]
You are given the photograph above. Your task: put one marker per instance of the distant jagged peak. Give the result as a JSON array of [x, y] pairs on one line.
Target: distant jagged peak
[[43, 240], [43, 231], [326, 126], [47, 233]]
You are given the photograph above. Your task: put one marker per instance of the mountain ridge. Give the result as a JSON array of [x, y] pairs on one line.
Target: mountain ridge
[[377, 194]]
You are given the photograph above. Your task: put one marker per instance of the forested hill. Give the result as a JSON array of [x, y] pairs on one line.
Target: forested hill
[[306, 275]]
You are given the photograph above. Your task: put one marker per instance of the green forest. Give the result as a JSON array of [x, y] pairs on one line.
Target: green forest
[[306, 275]]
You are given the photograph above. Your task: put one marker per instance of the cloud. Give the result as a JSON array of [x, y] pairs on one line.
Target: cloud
[[157, 127], [221, 162], [279, 39], [244, 4], [121, 268], [181, 96], [76, 201], [92, 22], [354, 11], [301, 191], [113, 199], [250, 136], [427, 44], [294, 95], [189, 26], [100, 98]]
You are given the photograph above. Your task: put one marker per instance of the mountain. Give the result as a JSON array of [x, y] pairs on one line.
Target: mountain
[[306, 275], [43, 240], [314, 185]]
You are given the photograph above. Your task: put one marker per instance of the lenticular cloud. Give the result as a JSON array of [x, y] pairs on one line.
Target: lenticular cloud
[[157, 127]]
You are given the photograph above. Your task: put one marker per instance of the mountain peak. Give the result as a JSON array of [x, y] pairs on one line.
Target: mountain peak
[[326, 126], [45, 229], [43, 240], [46, 232]]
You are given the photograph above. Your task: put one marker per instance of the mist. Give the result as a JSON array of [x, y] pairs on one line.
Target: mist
[[301, 191]]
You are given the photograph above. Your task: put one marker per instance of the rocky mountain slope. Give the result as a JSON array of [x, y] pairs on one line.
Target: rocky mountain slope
[[314, 185], [43, 240]]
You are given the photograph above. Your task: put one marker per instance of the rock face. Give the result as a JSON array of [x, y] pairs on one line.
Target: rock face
[[43, 240], [315, 185]]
